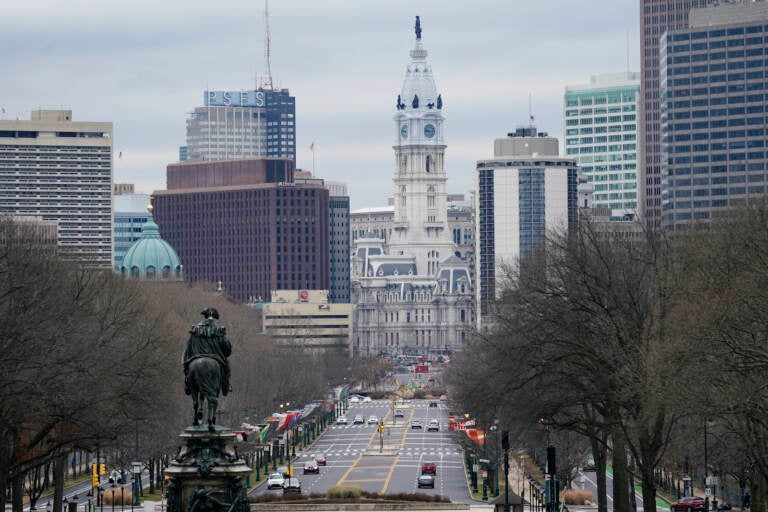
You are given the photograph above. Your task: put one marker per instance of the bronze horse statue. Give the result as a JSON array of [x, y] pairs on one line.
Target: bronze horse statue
[[205, 386], [205, 366]]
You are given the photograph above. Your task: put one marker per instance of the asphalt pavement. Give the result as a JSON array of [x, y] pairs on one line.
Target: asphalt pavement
[[390, 462]]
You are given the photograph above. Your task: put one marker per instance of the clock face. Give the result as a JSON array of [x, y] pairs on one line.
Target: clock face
[[404, 132], [429, 131]]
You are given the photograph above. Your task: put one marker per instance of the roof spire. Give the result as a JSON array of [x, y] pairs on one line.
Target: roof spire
[[418, 28]]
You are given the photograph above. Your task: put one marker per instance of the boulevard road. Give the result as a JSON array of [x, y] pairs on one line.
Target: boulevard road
[[355, 455]]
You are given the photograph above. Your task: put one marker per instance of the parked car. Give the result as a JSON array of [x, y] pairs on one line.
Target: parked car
[[426, 481], [428, 468], [292, 485], [342, 420], [399, 413], [433, 426], [275, 481], [311, 466], [688, 504], [416, 424], [320, 459], [373, 419], [358, 420]]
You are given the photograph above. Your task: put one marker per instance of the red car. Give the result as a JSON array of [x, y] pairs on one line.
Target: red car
[[320, 459], [429, 468], [688, 504]]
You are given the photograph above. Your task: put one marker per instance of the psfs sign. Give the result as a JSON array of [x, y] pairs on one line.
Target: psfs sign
[[234, 99]]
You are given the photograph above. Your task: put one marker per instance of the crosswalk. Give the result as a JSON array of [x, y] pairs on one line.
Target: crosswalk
[[406, 450]]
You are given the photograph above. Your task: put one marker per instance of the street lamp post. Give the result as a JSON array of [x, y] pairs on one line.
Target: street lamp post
[[136, 467], [75, 501], [113, 497]]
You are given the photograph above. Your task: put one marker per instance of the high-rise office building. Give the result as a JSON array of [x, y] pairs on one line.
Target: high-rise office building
[[247, 224], [713, 97], [601, 135], [60, 170], [338, 208], [525, 192], [656, 17], [242, 124], [129, 217]]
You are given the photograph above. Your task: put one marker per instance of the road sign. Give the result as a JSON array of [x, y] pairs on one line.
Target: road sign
[[707, 492]]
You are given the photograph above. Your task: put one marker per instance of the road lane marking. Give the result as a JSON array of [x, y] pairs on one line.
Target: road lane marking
[[389, 476]]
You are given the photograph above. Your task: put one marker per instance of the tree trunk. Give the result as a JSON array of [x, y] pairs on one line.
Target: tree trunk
[[649, 494], [759, 492], [620, 481], [59, 473], [598, 454], [17, 491], [151, 476]]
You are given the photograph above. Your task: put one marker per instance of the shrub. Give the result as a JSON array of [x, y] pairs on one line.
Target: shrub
[[344, 492], [127, 496], [578, 497]]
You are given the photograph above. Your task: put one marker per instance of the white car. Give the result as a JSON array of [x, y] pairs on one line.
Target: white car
[[373, 419], [275, 481], [367, 399], [354, 399], [342, 420]]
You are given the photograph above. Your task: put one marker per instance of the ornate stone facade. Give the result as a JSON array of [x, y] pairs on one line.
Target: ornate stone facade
[[413, 294]]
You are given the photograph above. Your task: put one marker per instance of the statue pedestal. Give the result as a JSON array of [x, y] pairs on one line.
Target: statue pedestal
[[207, 475]]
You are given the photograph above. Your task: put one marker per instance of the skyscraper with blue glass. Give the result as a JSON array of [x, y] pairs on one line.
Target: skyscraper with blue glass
[[526, 191], [713, 107], [601, 122]]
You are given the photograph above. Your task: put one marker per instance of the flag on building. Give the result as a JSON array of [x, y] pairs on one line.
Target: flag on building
[[312, 147], [120, 155], [2, 109], [533, 119]]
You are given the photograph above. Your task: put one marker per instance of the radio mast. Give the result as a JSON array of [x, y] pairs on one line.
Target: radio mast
[[266, 80]]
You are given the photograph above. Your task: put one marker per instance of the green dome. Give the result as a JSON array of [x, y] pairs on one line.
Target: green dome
[[151, 257]]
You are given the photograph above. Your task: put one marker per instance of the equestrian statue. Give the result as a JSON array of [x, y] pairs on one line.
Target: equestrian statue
[[206, 369]]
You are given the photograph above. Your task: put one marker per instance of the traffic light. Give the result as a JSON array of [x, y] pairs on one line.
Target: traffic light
[[102, 469], [505, 439], [94, 476]]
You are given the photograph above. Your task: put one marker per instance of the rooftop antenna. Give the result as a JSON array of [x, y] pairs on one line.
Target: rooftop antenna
[[266, 81]]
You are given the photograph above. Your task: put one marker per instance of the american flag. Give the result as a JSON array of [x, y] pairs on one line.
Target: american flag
[[312, 147]]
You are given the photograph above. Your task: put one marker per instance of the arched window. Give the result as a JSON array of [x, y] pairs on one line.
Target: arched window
[[428, 162], [135, 272], [150, 272], [430, 197], [166, 272], [402, 196]]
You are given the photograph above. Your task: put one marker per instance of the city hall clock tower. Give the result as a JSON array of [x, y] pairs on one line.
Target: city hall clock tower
[[420, 223]]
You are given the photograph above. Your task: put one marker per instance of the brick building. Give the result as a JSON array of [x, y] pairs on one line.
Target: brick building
[[247, 224]]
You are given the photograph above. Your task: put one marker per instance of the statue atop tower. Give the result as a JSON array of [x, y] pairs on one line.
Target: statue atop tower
[[418, 28]]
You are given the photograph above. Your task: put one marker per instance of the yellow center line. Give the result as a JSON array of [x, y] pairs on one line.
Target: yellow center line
[[347, 472], [389, 476]]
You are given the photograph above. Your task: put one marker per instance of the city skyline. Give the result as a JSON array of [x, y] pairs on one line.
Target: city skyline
[[144, 67]]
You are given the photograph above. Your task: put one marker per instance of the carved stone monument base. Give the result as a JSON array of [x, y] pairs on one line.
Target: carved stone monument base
[[207, 474]]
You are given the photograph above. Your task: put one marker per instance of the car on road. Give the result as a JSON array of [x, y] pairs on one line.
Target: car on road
[[428, 468], [399, 413], [433, 404], [292, 485], [416, 424], [320, 459], [311, 466], [358, 420], [367, 399], [426, 481], [433, 426], [688, 504], [275, 481], [354, 399], [342, 420], [373, 419]]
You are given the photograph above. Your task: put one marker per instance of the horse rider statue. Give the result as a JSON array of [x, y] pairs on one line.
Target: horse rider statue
[[207, 339]]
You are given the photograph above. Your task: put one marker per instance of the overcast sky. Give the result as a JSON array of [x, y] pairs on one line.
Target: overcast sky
[[144, 64]]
